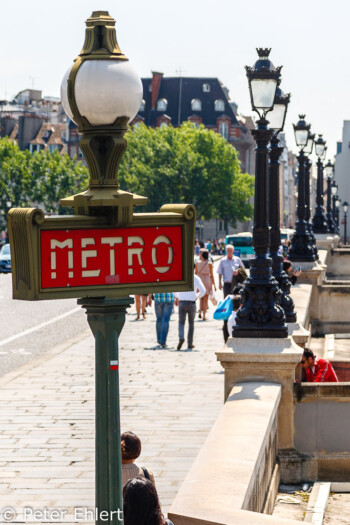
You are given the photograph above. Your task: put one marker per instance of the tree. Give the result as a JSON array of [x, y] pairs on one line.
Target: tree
[[56, 176], [38, 179], [186, 164]]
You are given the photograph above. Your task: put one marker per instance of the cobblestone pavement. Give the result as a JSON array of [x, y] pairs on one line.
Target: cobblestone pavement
[[169, 398]]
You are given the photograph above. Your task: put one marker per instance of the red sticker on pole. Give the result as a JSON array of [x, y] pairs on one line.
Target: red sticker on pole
[[113, 365], [109, 256]]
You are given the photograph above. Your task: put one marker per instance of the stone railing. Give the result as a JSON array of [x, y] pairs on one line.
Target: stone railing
[[235, 471]]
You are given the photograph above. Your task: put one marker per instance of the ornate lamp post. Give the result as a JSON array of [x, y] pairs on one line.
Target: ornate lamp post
[[334, 191], [301, 248], [329, 168], [308, 151], [319, 221], [277, 117], [101, 93], [345, 209], [337, 206], [260, 314]]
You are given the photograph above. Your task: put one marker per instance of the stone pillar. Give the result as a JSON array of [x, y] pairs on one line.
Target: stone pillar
[[327, 241], [265, 359]]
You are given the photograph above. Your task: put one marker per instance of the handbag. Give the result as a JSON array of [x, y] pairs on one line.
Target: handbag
[[212, 298], [224, 309]]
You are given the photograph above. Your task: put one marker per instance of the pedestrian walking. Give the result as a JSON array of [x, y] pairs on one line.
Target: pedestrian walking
[[140, 304], [227, 268], [187, 307], [204, 270], [163, 305]]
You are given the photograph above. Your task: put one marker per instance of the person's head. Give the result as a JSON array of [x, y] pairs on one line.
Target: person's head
[[236, 302], [229, 250], [141, 503], [131, 446], [204, 254], [242, 275], [287, 266], [308, 359]]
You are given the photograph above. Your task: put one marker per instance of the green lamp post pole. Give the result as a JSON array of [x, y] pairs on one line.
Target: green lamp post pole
[[101, 93]]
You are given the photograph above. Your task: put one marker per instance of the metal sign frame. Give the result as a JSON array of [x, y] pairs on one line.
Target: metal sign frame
[[25, 225]]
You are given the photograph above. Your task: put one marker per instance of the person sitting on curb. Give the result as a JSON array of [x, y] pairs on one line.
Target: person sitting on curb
[[131, 449], [141, 504], [317, 370]]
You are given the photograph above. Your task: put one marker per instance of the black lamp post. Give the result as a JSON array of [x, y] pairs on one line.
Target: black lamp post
[[337, 206], [308, 151], [334, 191], [301, 248], [319, 221], [329, 173], [260, 314], [277, 119], [345, 209]]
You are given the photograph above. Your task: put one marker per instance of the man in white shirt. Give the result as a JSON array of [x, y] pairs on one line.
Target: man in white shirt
[[227, 268], [187, 306]]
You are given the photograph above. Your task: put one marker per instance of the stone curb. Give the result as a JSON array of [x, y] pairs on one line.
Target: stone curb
[[317, 504]]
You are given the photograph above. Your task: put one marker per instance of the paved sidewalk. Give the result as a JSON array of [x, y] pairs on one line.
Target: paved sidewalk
[[169, 398]]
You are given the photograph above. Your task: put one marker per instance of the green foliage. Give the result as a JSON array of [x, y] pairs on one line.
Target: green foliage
[[190, 165], [38, 179]]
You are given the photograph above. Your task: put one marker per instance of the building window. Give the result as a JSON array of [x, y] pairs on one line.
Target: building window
[[196, 104], [219, 105], [206, 88], [143, 105], [223, 129], [162, 104]]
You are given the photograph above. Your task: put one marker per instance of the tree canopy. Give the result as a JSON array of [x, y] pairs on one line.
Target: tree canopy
[[190, 165], [38, 179]]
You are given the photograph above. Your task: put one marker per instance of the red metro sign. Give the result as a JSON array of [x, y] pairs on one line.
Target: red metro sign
[[110, 256]]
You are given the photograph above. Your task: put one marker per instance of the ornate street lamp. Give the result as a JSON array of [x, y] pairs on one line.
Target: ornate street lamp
[[334, 191], [329, 169], [345, 210], [319, 222], [277, 117], [260, 314], [101, 93], [301, 248]]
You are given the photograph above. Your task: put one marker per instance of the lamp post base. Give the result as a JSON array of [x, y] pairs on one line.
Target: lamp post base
[[260, 314], [284, 283], [331, 224], [319, 222], [301, 248]]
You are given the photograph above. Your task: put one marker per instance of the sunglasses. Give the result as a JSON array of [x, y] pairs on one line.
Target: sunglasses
[[303, 361]]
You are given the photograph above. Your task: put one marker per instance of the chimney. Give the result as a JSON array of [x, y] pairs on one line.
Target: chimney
[[156, 80]]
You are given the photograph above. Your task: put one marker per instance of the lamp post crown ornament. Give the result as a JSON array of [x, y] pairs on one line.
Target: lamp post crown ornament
[[101, 92]]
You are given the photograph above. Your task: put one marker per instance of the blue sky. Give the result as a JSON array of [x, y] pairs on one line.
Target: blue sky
[[39, 40]]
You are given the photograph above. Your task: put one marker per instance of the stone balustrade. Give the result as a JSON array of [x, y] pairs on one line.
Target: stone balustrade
[[234, 477]]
